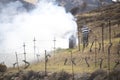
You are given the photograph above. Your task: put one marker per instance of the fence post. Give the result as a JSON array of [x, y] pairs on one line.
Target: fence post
[[101, 62], [34, 48], [79, 38], [95, 52], [86, 60], [54, 47], [110, 45], [72, 66], [17, 60], [103, 38], [24, 52], [45, 64], [38, 57]]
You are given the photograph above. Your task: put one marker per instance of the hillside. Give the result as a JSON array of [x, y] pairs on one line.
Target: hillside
[[99, 18], [69, 5], [82, 5], [27, 4], [93, 19], [84, 62]]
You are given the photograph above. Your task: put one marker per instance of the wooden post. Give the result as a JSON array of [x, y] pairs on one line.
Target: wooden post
[[45, 64], [91, 46], [17, 60], [103, 38], [101, 61], [109, 23], [24, 52], [78, 38], [86, 60], [99, 47], [101, 5], [79, 42], [72, 66], [78, 29], [109, 48], [95, 52], [38, 57], [54, 47], [34, 48]]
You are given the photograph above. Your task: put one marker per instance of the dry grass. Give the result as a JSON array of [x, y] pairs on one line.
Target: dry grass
[[56, 64]]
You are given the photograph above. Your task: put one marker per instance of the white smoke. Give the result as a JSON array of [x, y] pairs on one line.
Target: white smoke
[[44, 23]]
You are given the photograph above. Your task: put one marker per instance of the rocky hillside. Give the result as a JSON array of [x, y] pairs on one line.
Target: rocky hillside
[[98, 18], [80, 5], [83, 5], [28, 6]]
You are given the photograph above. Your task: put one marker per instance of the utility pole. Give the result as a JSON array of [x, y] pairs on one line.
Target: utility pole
[[72, 66], [17, 60], [34, 47], [54, 47], [24, 52]]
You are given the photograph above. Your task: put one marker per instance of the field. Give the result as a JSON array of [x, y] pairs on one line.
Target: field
[[86, 61], [95, 20]]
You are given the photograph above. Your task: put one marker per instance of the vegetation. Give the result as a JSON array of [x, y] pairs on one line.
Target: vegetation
[[85, 58], [3, 68], [94, 20]]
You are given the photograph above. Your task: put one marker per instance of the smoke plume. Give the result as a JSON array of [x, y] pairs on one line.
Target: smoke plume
[[46, 21]]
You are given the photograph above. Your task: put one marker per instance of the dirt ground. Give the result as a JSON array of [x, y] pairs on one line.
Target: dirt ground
[[32, 75]]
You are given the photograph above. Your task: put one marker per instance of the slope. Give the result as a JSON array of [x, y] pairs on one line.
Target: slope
[[86, 61]]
